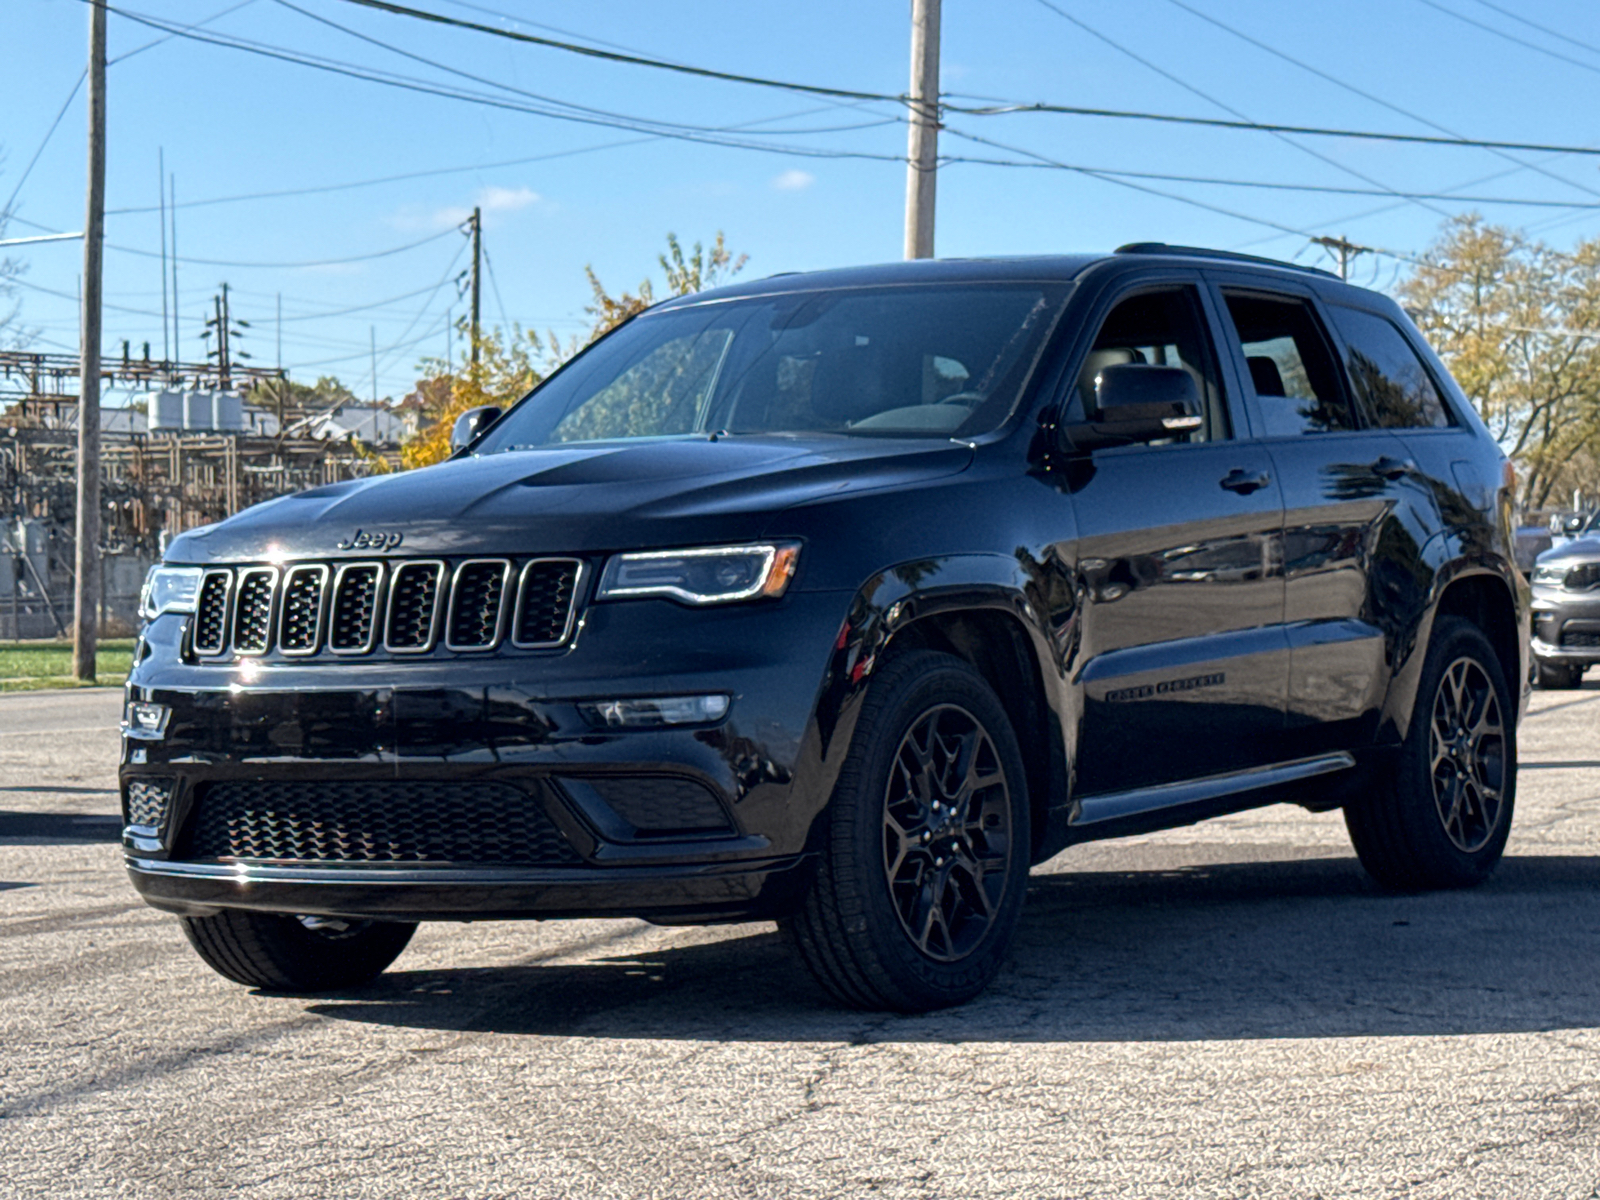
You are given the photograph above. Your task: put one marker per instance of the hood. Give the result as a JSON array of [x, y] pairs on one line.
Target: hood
[[1583, 549], [572, 499]]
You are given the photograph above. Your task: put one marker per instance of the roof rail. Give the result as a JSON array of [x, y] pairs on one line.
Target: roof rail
[[1230, 255]]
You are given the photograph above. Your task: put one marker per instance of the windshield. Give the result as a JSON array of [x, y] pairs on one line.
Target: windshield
[[936, 361]]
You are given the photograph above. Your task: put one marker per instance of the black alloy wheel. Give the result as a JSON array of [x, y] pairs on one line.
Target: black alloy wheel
[[1441, 817], [946, 833], [924, 846], [1468, 736]]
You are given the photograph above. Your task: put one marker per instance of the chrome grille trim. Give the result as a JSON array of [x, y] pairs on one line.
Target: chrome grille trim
[[572, 602], [253, 618], [462, 572], [335, 613], [397, 592], [204, 618], [290, 640]]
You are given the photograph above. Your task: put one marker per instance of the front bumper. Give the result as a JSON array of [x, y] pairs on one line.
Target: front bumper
[[291, 733], [688, 894], [1566, 626]]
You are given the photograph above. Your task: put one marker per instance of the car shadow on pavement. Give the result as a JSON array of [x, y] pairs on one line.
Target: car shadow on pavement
[[55, 828], [1241, 950]]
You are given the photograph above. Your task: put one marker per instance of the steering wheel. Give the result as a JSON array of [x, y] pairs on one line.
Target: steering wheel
[[970, 399]]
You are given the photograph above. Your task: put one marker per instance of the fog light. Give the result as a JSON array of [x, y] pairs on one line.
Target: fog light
[[147, 804], [655, 711], [145, 720]]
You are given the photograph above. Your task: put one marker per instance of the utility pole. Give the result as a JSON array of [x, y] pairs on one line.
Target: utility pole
[[477, 260], [172, 209], [1343, 249], [922, 156], [85, 621], [161, 171], [372, 335]]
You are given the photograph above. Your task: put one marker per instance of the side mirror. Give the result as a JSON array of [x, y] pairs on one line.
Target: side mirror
[[1136, 402], [470, 424]]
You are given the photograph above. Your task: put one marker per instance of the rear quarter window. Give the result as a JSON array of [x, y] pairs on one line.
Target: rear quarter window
[[1393, 388]]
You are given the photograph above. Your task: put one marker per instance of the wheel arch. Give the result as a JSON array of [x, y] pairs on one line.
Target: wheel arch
[[1486, 597], [977, 608]]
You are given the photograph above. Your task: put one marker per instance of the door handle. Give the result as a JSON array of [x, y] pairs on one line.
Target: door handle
[[1244, 482], [1393, 468]]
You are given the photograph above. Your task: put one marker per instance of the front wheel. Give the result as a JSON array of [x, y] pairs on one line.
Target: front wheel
[[925, 861], [1444, 818], [296, 954]]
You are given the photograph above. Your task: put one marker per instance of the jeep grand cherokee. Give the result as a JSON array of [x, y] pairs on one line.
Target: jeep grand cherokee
[[841, 599]]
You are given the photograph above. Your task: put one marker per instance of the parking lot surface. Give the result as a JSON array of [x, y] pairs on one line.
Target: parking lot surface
[[1228, 1010]]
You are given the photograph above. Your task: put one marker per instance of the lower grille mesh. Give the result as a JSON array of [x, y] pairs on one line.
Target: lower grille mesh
[[388, 822], [1583, 639]]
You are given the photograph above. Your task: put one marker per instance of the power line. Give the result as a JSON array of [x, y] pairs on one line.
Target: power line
[[1045, 160], [1352, 89], [225, 262], [1555, 33], [1329, 189], [686, 133], [1189, 87], [631, 59], [1009, 108], [1511, 37], [494, 83]]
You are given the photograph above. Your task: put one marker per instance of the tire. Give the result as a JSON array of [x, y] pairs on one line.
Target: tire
[[1558, 676], [915, 901], [295, 954], [1443, 820]]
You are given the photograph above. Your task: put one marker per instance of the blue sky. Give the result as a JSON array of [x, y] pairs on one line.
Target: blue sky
[[559, 195]]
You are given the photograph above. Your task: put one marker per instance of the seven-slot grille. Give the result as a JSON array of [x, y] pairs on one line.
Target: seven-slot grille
[[407, 607]]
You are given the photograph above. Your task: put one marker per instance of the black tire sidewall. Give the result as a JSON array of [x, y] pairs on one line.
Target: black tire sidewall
[[1441, 862], [920, 682]]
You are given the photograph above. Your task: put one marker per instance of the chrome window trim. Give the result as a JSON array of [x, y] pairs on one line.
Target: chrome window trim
[[378, 606], [227, 613], [500, 615], [324, 594], [572, 607], [439, 570], [272, 610]]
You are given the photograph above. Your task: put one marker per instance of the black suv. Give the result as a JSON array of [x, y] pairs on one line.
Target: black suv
[[841, 599]]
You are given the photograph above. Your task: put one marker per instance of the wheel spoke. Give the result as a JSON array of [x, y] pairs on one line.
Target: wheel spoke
[[946, 832]]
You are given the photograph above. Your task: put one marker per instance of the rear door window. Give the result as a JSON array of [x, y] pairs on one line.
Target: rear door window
[[1290, 367], [1392, 386]]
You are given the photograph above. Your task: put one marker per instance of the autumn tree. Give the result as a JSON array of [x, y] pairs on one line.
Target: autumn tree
[[512, 364], [1518, 323]]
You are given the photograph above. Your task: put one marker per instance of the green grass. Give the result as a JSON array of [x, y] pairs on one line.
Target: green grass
[[34, 666]]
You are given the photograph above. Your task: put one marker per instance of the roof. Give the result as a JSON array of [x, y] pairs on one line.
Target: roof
[[1060, 268]]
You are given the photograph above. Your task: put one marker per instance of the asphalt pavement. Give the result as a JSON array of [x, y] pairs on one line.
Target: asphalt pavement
[[1229, 1010]]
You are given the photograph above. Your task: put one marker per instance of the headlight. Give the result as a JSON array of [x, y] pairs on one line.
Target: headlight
[[169, 589], [1549, 576], [717, 575]]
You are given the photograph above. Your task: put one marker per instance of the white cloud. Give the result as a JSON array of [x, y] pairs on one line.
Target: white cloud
[[793, 180], [503, 199], [493, 200]]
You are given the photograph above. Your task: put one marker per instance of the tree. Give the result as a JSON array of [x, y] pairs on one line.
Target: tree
[[1518, 323], [511, 364]]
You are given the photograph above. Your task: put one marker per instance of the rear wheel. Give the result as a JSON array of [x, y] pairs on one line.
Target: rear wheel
[[925, 862], [1557, 676], [1444, 819], [297, 954]]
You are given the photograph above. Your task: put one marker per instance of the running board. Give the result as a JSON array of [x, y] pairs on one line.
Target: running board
[[1112, 806]]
